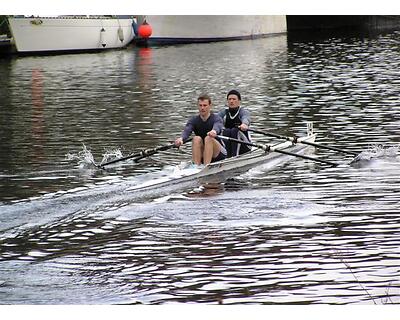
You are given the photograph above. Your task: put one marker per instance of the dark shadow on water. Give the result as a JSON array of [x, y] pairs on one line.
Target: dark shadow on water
[[345, 33]]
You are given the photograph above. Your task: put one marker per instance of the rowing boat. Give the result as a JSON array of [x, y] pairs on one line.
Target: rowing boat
[[235, 165], [256, 156]]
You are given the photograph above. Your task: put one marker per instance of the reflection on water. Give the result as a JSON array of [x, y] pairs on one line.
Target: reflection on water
[[37, 115], [291, 232]]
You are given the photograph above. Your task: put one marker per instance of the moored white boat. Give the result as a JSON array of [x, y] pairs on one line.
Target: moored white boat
[[169, 29], [70, 33]]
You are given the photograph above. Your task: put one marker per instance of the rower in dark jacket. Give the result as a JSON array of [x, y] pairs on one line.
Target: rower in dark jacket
[[206, 147], [236, 122]]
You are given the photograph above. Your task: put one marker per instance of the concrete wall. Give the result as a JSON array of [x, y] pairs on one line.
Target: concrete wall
[[362, 23]]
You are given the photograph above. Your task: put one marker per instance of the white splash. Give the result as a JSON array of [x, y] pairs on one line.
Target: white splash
[[377, 156], [111, 155], [379, 151], [85, 157]]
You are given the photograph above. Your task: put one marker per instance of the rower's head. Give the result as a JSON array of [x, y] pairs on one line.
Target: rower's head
[[233, 98], [204, 105]]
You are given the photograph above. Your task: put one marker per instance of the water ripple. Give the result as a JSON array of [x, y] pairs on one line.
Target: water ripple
[[295, 232]]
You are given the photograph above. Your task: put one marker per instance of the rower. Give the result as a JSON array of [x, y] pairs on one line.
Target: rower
[[206, 126], [236, 121]]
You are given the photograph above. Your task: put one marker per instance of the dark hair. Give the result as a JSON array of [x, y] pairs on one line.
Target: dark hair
[[204, 96], [235, 92]]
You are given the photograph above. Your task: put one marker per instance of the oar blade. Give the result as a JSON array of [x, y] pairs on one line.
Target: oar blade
[[356, 159]]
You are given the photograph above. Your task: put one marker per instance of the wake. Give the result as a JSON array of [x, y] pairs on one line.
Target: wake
[[91, 199]]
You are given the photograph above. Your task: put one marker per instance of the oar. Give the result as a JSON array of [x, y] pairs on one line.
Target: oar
[[269, 148], [141, 154], [295, 140]]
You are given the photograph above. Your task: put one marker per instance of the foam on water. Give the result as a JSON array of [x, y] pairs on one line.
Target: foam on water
[[379, 151], [85, 157], [111, 155], [113, 192], [169, 173], [254, 207], [377, 156]]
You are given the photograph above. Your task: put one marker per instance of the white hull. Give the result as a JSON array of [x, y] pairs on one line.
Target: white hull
[[186, 29], [244, 162], [70, 33], [229, 166]]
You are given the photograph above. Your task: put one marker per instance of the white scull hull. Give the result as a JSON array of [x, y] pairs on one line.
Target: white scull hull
[[230, 166], [248, 160]]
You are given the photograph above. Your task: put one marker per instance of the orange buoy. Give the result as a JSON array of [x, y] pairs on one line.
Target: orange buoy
[[145, 30]]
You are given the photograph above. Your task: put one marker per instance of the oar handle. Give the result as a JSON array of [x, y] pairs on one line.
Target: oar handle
[[260, 146], [156, 150]]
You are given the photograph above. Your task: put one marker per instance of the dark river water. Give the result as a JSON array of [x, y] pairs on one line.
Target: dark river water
[[292, 232]]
